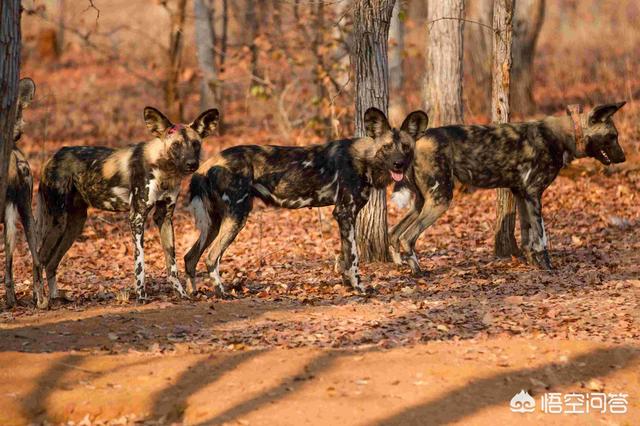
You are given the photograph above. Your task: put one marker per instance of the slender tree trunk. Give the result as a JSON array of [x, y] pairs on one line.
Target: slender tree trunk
[[173, 100], [527, 21], [317, 45], [505, 241], [61, 25], [396, 53], [443, 81], [343, 39], [10, 38], [225, 33], [369, 62], [205, 41], [253, 30], [478, 41]]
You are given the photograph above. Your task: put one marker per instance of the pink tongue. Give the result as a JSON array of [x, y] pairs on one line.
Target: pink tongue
[[397, 176]]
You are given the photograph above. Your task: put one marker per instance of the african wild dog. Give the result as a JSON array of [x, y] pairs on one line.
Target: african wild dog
[[18, 203], [339, 173], [134, 179], [524, 157]]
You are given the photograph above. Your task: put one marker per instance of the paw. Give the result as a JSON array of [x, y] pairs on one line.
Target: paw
[[220, 292], [396, 257], [412, 260], [142, 297]]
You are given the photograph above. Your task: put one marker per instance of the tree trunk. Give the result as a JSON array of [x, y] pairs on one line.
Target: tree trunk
[[478, 41], [343, 39], [396, 52], [253, 30], [443, 81], [529, 15], [505, 242], [369, 61], [10, 38], [205, 43], [173, 100]]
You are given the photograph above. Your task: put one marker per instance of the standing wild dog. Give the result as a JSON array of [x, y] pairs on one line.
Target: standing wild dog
[[18, 203], [134, 179], [524, 157], [339, 173]]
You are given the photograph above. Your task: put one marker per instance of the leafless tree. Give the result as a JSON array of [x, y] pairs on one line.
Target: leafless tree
[[443, 80], [529, 15], [10, 39], [173, 100], [396, 53], [370, 67], [204, 13], [505, 242]]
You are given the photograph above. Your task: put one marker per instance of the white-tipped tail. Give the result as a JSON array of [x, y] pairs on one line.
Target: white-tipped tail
[[200, 213], [402, 199]]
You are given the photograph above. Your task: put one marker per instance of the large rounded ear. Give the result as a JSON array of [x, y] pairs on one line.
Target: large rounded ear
[[26, 90], [601, 113], [375, 123], [415, 124], [157, 123], [206, 122]]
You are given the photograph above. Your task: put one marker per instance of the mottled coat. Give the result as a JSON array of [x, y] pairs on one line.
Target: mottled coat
[[18, 204], [134, 179], [523, 157], [339, 173]]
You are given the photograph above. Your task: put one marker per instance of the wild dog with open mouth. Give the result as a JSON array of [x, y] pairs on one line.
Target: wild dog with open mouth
[[339, 173], [524, 157], [18, 203], [134, 179]]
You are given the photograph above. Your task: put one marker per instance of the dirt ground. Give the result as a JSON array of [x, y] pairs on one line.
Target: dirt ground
[[295, 347]]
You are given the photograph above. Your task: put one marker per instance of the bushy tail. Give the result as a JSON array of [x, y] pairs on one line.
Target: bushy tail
[[204, 202]]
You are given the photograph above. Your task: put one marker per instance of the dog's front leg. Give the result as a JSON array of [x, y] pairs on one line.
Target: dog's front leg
[[537, 250], [163, 218], [345, 215], [137, 218]]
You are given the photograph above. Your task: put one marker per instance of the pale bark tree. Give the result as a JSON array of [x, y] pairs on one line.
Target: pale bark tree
[[205, 44], [396, 53], [527, 21], [505, 242], [478, 39], [443, 80], [10, 38], [369, 63], [343, 39]]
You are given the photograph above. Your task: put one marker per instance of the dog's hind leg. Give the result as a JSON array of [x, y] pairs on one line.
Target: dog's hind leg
[[163, 218], [401, 226], [26, 216], [430, 212], [10, 219], [229, 228], [208, 223], [75, 219]]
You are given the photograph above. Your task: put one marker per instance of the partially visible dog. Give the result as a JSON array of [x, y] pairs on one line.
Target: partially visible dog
[[18, 203], [339, 173], [523, 157], [134, 179]]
